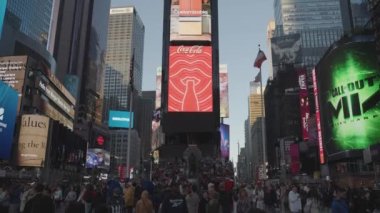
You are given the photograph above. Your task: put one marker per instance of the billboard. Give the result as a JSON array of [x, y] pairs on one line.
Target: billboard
[[350, 96], [190, 79], [98, 158], [318, 119], [157, 134], [120, 119], [223, 89], [225, 140], [158, 87], [8, 112], [3, 6], [286, 49], [190, 20], [304, 102], [33, 140]]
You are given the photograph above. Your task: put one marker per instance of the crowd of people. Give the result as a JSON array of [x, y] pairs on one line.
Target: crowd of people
[[211, 189]]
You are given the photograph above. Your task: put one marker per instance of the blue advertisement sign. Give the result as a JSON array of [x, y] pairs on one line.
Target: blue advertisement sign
[[120, 119], [225, 140], [3, 6], [8, 113]]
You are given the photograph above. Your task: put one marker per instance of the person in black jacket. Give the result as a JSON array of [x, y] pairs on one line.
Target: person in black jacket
[[174, 202], [40, 203]]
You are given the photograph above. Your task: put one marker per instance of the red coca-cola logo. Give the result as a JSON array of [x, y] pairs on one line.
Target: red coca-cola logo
[[190, 49], [100, 140]]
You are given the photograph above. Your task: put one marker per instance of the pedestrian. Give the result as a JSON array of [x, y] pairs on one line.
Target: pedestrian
[[40, 203], [225, 198], [174, 202], [339, 204], [313, 204], [213, 205], [192, 199], [129, 197], [295, 205], [144, 205], [4, 199], [116, 202], [244, 203]]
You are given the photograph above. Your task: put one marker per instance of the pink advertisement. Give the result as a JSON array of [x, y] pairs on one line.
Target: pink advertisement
[[318, 119], [190, 79], [223, 88], [304, 102]]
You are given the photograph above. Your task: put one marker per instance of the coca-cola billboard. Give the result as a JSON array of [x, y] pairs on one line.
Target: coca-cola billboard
[[190, 79]]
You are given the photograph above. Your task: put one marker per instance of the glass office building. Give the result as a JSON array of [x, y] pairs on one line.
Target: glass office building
[[31, 17]]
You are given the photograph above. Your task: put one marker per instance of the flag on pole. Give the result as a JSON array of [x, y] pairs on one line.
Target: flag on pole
[[259, 59]]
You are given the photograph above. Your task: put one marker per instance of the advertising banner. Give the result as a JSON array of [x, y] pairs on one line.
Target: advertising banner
[[158, 87], [225, 140], [350, 96], [295, 158], [33, 140], [120, 119], [318, 119], [190, 20], [190, 79], [3, 6], [223, 88], [98, 158], [286, 49], [8, 113], [157, 134], [304, 102]]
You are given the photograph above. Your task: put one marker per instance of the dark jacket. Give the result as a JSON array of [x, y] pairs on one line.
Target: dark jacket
[[339, 206], [40, 203], [174, 203]]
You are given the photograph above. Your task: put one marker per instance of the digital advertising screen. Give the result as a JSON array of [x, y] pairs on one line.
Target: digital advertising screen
[[223, 88], [225, 140], [33, 139], [98, 158], [8, 113], [304, 102], [190, 79], [190, 20], [3, 6], [349, 91], [120, 119], [158, 88]]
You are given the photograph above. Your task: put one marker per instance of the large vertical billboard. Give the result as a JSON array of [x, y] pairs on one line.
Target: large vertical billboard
[[304, 102], [3, 6], [190, 79], [158, 88], [190, 20], [223, 89], [224, 141], [32, 142], [321, 150], [8, 112], [349, 92]]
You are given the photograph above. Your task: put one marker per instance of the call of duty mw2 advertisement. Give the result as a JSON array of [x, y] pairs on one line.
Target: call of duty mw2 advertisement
[[350, 97], [190, 20]]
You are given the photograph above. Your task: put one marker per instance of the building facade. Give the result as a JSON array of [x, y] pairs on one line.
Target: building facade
[[124, 58], [31, 18]]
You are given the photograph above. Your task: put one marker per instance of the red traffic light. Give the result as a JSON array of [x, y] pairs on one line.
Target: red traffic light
[[100, 140]]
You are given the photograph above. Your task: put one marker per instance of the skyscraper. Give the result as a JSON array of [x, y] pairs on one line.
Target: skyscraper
[[319, 23], [124, 62], [31, 17], [124, 53]]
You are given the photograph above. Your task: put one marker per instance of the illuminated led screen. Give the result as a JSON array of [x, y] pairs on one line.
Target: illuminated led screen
[[349, 86], [190, 79]]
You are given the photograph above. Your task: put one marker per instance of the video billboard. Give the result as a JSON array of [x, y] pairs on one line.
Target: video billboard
[[225, 140], [98, 158], [32, 142], [350, 96], [158, 88], [190, 20], [3, 6], [286, 49], [304, 102], [8, 113], [120, 119], [318, 119], [190, 79], [223, 89]]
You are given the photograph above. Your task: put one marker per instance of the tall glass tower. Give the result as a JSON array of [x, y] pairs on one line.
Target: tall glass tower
[[31, 17]]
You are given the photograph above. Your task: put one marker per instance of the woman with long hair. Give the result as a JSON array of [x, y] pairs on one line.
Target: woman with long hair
[[144, 205], [244, 204]]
